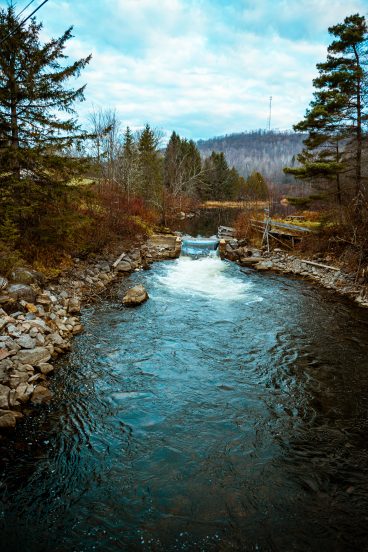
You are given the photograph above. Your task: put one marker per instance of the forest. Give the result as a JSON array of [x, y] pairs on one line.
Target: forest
[[69, 190], [258, 150]]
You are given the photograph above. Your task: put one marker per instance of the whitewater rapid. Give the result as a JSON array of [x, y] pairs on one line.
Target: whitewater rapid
[[208, 277]]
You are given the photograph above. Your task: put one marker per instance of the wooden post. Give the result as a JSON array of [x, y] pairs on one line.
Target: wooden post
[[265, 236]]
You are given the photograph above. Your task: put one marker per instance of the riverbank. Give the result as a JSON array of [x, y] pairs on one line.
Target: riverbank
[[39, 318], [319, 270]]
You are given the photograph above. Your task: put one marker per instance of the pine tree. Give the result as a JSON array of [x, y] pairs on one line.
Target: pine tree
[[150, 164], [337, 119], [219, 181], [130, 171], [33, 138], [255, 187]]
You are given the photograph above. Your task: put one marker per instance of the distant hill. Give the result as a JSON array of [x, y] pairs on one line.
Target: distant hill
[[264, 151]]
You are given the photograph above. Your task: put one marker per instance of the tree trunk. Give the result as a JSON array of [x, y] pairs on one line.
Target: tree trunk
[[14, 136], [359, 134]]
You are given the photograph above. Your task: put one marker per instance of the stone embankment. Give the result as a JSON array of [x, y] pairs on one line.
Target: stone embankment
[[317, 269], [38, 320]]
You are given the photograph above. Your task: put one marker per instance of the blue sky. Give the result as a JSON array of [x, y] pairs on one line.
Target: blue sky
[[200, 67]]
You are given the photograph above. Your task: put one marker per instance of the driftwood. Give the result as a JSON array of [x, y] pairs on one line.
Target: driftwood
[[115, 264], [319, 265]]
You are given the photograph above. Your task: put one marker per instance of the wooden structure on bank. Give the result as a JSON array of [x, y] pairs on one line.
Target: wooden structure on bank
[[279, 231]]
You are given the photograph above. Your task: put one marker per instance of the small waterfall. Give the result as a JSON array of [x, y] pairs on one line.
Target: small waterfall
[[203, 247], [200, 271]]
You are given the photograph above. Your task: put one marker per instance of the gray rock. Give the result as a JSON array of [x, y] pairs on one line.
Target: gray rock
[[41, 395], [27, 276], [55, 338], [104, 266], [74, 305], [26, 342], [13, 331], [40, 325], [3, 282], [40, 339], [21, 291], [5, 366], [23, 392], [63, 294], [4, 396], [44, 300], [135, 296], [124, 266], [264, 265], [3, 323], [46, 368], [34, 356]]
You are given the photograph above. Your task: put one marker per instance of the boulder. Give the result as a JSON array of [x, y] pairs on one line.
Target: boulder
[[41, 395], [23, 392], [3, 282], [21, 291], [33, 356], [45, 367], [135, 296], [74, 305], [264, 265], [124, 266], [7, 420], [26, 342], [22, 275]]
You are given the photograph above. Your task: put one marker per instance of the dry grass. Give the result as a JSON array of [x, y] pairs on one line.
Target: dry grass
[[234, 205]]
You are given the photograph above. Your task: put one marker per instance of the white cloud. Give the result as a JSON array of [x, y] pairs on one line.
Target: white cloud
[[199, 66]]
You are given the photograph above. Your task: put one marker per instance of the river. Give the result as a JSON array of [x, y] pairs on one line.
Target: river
[[229, 412]]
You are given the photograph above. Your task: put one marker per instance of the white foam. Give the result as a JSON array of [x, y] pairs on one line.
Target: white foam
[[207, 277]]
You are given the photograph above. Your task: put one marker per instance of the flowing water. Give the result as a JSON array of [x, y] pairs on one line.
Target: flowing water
[[229, 412]]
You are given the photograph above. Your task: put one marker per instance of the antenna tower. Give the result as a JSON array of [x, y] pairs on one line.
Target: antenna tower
[[269, 115]]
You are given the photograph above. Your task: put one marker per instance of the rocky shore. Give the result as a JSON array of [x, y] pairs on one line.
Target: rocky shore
[[39, 318], [317, 269]]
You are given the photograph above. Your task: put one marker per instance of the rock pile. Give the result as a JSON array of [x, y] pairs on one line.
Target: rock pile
[[30, 339], [39, 320], [334, 278]]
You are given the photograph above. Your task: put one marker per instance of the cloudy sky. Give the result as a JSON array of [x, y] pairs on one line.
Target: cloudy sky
[[201, 67]]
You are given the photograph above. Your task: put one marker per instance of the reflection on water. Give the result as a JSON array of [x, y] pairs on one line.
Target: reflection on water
[[209, 220], [201, 421]]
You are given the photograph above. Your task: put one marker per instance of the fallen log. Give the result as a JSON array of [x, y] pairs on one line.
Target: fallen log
[[319, 265]]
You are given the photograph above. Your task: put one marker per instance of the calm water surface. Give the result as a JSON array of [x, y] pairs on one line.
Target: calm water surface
[[229, 412]]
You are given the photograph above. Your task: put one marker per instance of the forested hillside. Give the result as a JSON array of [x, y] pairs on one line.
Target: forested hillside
[[264, 151]]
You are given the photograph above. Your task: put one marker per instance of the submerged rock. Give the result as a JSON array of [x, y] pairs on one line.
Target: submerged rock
[[7, 420], [135, 296], [41, 394]]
